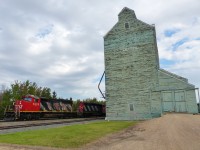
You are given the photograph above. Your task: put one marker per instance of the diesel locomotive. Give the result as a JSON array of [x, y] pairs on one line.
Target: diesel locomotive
[[32, 107]]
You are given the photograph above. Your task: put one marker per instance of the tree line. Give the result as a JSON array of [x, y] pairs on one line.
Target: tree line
[[19, 89]]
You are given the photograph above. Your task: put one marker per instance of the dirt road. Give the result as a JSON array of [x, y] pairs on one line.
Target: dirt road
[[170, 132]]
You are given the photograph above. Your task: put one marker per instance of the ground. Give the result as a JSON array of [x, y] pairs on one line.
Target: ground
[[170, 132]]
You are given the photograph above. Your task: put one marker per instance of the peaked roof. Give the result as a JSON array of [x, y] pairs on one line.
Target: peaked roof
[[180, 78], [127, 9], [174, 75], [131, 13]]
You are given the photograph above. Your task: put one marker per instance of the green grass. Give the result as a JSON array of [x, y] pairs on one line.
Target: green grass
[[66, 137]]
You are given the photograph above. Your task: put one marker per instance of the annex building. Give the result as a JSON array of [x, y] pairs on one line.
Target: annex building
[[136, 87]]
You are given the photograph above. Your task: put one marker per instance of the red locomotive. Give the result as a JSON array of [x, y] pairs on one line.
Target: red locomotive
[[33, 107]]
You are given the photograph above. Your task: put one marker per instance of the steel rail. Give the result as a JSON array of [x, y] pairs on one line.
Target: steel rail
[[47, 123]]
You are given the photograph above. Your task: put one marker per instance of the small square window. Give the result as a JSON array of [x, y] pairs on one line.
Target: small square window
[[126, 25], [131, 107]]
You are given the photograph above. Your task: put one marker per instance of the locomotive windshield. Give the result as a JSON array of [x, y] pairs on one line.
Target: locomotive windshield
[[27, 99]]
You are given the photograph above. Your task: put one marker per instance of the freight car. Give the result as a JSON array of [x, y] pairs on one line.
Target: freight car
[[91, 109], [32, 107]]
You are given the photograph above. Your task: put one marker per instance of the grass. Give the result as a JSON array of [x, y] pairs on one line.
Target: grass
[[66, 137]]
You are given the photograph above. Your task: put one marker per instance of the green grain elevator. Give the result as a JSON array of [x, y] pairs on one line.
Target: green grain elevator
[[136, 87]]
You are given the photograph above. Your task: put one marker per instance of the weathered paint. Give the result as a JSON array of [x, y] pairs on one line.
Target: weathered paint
[[134, 81], [131, 63], [177, 94]]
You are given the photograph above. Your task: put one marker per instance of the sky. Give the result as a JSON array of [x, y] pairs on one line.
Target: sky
[[59, 43]]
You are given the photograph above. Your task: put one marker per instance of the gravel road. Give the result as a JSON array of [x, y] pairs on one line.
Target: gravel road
[[170, 132]]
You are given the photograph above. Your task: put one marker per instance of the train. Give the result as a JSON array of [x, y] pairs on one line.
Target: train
[[32, 107]]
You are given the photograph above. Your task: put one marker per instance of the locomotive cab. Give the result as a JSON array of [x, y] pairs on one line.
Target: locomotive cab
[[24, 109], [28, 103]]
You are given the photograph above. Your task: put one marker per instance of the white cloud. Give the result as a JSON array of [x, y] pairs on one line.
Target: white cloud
[[47, 36], [60, 44]]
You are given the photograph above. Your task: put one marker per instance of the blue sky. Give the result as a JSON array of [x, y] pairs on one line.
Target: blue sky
[[45, 31], [170, 32], [59, 44]]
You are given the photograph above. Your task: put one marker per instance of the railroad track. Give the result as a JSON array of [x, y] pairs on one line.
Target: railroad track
[[48, 123]]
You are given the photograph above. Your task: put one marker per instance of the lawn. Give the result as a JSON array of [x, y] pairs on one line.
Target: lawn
[[66, 137]]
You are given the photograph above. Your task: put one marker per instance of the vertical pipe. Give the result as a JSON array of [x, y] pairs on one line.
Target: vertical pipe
[[199, 101], [198, 94], [99, 85]]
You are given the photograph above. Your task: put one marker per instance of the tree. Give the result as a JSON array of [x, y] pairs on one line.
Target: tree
[[54, 95], [6, 101], [88, 100], [94, 100], [19, 89], [75, 105], [46, 92]]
